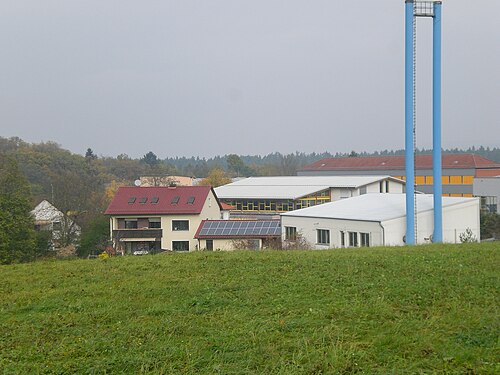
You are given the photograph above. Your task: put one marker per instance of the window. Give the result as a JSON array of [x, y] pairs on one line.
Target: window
[[386, 186], [353, 239], [468, 180], [190, 200], [323, 236], [143, 200], [456, 180], [56, 225], [180, 245], [175, 200], [342, 239], [365, 239], [131, 200], [429, 180], [420, 180], [180, 225], [445, 180], [154, 223], [155, 200], [130, 224], [209, 244], [290, 233], [362, 190]]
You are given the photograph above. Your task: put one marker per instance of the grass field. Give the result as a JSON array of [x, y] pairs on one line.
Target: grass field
[[426, 309]]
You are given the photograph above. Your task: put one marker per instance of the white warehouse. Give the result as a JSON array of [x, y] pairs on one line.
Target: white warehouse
[[378, 220]]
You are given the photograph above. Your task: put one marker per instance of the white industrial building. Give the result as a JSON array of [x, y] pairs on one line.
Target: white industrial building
[[378, 220], [273, 195]]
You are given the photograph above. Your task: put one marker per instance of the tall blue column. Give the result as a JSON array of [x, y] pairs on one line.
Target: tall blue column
[[409, 152], [436, 124]]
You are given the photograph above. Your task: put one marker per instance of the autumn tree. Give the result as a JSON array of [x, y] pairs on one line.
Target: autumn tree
[[17, 234], [216, 177]]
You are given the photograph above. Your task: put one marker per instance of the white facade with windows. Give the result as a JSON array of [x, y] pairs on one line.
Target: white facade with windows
[[378, 220]]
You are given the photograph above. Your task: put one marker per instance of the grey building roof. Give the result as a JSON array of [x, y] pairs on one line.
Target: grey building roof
[[373, 207], [291, 187]]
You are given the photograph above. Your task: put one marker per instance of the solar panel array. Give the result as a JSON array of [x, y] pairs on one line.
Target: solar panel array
[[241, 228]]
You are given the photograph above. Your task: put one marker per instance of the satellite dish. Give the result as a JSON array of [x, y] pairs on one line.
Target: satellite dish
[[137, 182]]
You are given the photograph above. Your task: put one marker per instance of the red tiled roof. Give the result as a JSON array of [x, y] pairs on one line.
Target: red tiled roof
[[166, 200], [226, 207], [398, 162]]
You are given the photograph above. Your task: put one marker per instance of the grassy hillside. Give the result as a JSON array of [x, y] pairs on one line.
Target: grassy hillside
[[429, 309]]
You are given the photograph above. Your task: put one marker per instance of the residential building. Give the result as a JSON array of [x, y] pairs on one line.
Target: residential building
[[378, 220], [151, 219], [238, 234], [261, 196], [48, 218], [458, 170]]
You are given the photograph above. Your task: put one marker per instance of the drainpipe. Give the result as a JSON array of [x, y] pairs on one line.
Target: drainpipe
[[383, 233]]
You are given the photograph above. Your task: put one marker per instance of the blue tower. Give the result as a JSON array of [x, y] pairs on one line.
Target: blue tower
[[413, 10]]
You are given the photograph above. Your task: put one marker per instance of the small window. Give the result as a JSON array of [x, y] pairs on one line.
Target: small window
[[56, 225], [210, 245], [154, 223], [155, 200], [131, 200], [365, 239], [353, 239], [180, 245], [180, 225], [190, 200], [323, 236], [342, 239], [386, 186], [143, 200], [175, 200], [290, 233]]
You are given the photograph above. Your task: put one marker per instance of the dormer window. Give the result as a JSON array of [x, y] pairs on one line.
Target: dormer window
[[131, 200], [175, 200], [155, 200], [190, 200], [143, 200]]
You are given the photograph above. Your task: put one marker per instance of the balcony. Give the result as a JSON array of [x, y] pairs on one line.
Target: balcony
[[138, 233]]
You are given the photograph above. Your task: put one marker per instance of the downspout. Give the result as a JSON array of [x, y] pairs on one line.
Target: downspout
[[383, 233]]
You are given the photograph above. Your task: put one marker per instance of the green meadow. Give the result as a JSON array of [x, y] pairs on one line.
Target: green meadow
[[412, 310]]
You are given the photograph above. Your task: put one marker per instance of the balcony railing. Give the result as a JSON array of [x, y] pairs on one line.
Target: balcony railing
[[138, 233]]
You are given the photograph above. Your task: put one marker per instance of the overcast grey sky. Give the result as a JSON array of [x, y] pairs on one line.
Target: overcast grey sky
[[211, 77]]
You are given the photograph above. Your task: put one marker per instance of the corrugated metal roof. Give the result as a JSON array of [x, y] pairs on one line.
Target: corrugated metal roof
[[373, 207], [398, 162], [290, 187]]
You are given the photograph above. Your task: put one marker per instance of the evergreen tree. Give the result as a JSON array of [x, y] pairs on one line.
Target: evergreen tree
[[17, 234]]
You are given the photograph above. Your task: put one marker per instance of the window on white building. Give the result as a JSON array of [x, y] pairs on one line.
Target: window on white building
[[353, 239], [323, 236], [290, 233], [365, 239]]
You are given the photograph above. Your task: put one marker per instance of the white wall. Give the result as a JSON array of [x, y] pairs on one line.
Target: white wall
[[456, 220], [307, 228]]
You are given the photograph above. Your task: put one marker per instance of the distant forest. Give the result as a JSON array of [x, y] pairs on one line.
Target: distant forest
[[86, 182]]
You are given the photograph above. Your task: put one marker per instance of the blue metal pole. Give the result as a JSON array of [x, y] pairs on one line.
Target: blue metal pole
[[436, 124], [409, 152]]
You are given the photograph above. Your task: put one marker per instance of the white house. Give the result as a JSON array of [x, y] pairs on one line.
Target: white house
[[49, 218], [378, 220]]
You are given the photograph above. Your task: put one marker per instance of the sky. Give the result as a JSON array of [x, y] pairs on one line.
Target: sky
[[214, 77]]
